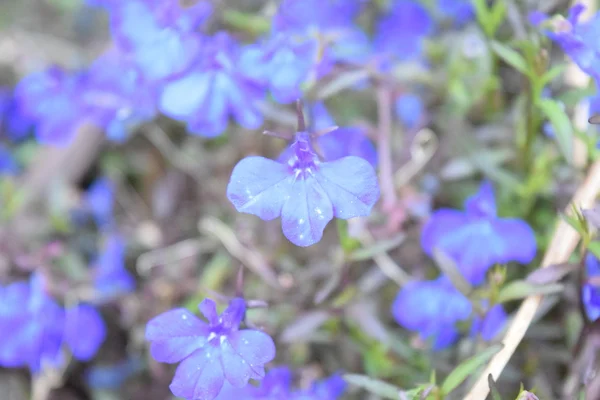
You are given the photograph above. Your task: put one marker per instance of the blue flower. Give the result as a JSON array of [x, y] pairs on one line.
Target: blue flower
[[13, 123], [210, 353], [410, 110], [99, 199], [578, 40], [33, 327], [477, 238], [159, 36], [302, 16], [111, 278], [433, 308], [460, 11], [305, 191], [399, 33], [213, 90], [8, 163], [591, 292]]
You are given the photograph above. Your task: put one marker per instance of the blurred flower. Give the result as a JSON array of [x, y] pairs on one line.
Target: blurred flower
[[460, 11], [213, 90], [33, 327], [400, 32], [306, 192], [476, 239], [99, 199], [210, 353], [8, 163], [159, 36], [433, 308], [111, 278], [13, 123], [113, 376], [578, 40], [410, 110], [591, 292]]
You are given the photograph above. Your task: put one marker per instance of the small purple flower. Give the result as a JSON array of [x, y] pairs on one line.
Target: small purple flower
[[578, 40], [433, 308], [8, 163], [591, 292], [99, 199], [305, 191], [13, 123], [399, 33], [302, 16], [459, 11], [213, 90], [111, 278], [33, 327], [477, 238], [210, 353]]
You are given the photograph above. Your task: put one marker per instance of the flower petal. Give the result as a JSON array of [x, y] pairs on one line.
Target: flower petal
[[200, 376], [175, 335], [518, 241], [442, 223], [351, 185], [259, 186], [84, 318], [306, 212], [256, 347]]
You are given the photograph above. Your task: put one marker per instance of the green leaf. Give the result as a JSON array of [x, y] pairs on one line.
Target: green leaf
[[495, 18], [563, 129], [552, 74], [252, 23], [348, 243], [467, 368], [493, 388], [511, 57], [375, 386], [521, 289]]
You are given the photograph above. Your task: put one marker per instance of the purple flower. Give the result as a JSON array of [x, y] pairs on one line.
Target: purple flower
[[213, 90], [13, 123], [301, 16], [111, 278], [305, 191], [477, 238], [591, 292], [433, 308], [460, 11], [8, 163], [410, 110], [210, 353], [100, 200], [33, 327], [399, 34], [578, 40], [159, 36]]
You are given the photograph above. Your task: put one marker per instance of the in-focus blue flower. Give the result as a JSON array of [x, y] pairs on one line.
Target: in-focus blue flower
[[578, 40], [213, 90], [591, 292], [111, 278], [210, 353], [477, 238], [459, 11], [400, 33], [305, 191], [433, 308], [99, 199], [159, 36], [33, 327], [410, 110]]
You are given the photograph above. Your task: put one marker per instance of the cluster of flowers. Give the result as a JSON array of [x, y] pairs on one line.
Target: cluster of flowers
[[35, 328]]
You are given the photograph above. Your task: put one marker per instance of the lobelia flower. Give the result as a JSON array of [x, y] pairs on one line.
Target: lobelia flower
[[459, 11], [305, 191], [212, 90], [99, 199], [158, 36], [13, 123], [33, 327], [577, 39], [433, 308], [111, 278], [210, 353], [399, 34], [590, 292], [477, 238]]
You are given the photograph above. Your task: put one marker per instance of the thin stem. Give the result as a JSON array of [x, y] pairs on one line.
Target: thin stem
[[384, 148], [300, 114], [284, 136]]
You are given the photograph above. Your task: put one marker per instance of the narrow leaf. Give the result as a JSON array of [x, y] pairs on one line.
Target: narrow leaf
[[303, 327], [550, 274], [493, 388], [449, 268], [511, 57], [467, 368], [375, 386], [563, 129], [344, 81], [521, 289]]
